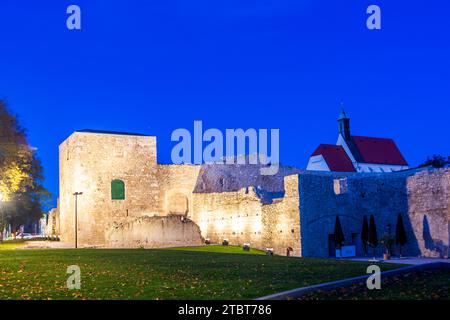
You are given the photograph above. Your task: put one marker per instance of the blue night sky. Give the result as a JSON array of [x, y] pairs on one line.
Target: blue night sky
[[154, 66]]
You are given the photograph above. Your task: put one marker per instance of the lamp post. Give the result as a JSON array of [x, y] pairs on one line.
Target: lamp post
[[76, 194], [2, 217]]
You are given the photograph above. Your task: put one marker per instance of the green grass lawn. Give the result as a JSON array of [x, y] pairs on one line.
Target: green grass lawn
[[181, 273], [220, 249], [418, 285]]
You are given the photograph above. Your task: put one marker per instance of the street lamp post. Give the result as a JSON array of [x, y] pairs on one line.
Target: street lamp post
[[2, 217], [76, 194]]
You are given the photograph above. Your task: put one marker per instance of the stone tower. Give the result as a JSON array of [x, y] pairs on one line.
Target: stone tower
[[117, 174]]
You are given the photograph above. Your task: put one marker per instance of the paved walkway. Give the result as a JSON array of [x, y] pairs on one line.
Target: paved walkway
[[405, 260]]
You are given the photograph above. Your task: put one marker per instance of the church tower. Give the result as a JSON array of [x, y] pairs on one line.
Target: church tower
[[344, 125]]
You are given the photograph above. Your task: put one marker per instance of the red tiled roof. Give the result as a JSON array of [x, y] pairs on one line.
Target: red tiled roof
[[335, 157], [378, 150]]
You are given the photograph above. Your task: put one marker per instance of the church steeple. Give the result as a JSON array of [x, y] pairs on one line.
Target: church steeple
[[344, 124]]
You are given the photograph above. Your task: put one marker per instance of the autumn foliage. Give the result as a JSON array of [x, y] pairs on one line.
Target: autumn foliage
[[21, 176]]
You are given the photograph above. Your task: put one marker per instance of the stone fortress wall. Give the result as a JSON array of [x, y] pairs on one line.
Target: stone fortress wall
[[153, 232], [421, 196], [429, 211], [245, 216], [174, 205], [52, 224]]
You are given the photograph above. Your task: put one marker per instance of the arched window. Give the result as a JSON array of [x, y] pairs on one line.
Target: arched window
[[117, 190]]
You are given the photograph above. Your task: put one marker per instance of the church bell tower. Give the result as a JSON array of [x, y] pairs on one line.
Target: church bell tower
[[344, 125]]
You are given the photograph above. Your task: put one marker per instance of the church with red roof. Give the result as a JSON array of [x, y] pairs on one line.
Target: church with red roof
[[357, 153]]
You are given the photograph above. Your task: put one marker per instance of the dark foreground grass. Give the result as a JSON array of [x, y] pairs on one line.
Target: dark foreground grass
[[431, 284], [161, 274]]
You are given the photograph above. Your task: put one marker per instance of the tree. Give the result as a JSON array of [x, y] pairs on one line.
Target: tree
[[437, 161], [365, 234], [373, 237], [338, 233], [400, 233], [15, 155], [21, 175]]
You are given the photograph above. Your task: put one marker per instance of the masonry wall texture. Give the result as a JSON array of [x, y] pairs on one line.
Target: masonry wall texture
[[381, 195], [52, 227], [173, 205], [429, 211], [177, 183], [88, 164], [154, 232], [243, 216], [420, 196]]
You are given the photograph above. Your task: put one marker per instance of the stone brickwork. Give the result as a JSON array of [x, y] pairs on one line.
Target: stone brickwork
[[420, 196], [243, 217], [52, 227], [281, 220], [173, 205], [429, 211], [177, 183], [154, 232], [384, 196], [88, 163]]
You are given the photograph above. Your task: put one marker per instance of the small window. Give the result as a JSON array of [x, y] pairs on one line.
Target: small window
[[117, 190], [340, 186]]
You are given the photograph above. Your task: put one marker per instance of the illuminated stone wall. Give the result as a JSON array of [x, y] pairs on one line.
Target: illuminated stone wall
[[233, 215], [247, 216], [293, 208], [52, 227], [89, 161], [154, 232], [233, 202], [177, 183], [88, 164]]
